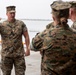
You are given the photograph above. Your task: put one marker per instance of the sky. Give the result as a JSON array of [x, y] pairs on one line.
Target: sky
[[31, 9]]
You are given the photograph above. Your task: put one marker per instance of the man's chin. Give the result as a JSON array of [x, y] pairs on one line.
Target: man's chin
[[12, 19]]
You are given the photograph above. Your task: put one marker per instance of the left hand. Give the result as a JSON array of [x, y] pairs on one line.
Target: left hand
[[27, 53]]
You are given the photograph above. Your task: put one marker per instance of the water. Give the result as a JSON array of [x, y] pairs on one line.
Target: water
[[38, 26], [35, 27]]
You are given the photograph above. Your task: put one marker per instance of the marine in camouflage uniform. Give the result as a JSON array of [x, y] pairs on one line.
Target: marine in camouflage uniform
[[12, 47], [73, 15], [57, 45]]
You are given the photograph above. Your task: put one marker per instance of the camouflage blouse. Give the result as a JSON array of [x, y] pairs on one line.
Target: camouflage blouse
[[11, 36], [58, 48]]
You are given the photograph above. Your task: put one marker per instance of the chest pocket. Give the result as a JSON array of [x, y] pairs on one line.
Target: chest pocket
[[8, 30], [5, 30], [17, 30]]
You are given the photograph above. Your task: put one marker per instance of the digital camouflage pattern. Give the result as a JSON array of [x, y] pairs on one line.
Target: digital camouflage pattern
[[11, 34], [60, 5], [50, 26], [7, 65], [10, 9], [57, 46], [73, 3], [12, 46]]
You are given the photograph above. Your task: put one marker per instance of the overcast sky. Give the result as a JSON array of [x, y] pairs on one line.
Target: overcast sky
[[34, 9]]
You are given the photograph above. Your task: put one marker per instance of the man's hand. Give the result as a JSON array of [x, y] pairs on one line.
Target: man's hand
[[27, 53]]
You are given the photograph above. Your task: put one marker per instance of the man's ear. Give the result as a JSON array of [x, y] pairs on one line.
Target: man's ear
[[71, 11]]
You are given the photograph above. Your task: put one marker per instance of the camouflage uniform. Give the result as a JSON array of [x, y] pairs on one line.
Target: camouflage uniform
[[12, 47], [58, 52], [50, 25]]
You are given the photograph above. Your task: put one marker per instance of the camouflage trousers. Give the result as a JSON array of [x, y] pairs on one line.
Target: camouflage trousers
[[43, 72], [69, 71], [8, 62]]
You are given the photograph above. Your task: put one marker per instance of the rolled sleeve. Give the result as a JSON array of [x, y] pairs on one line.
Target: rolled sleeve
[[24, 27], [36, 43]]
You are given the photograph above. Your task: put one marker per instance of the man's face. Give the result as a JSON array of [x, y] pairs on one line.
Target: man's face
[[11, 15]]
